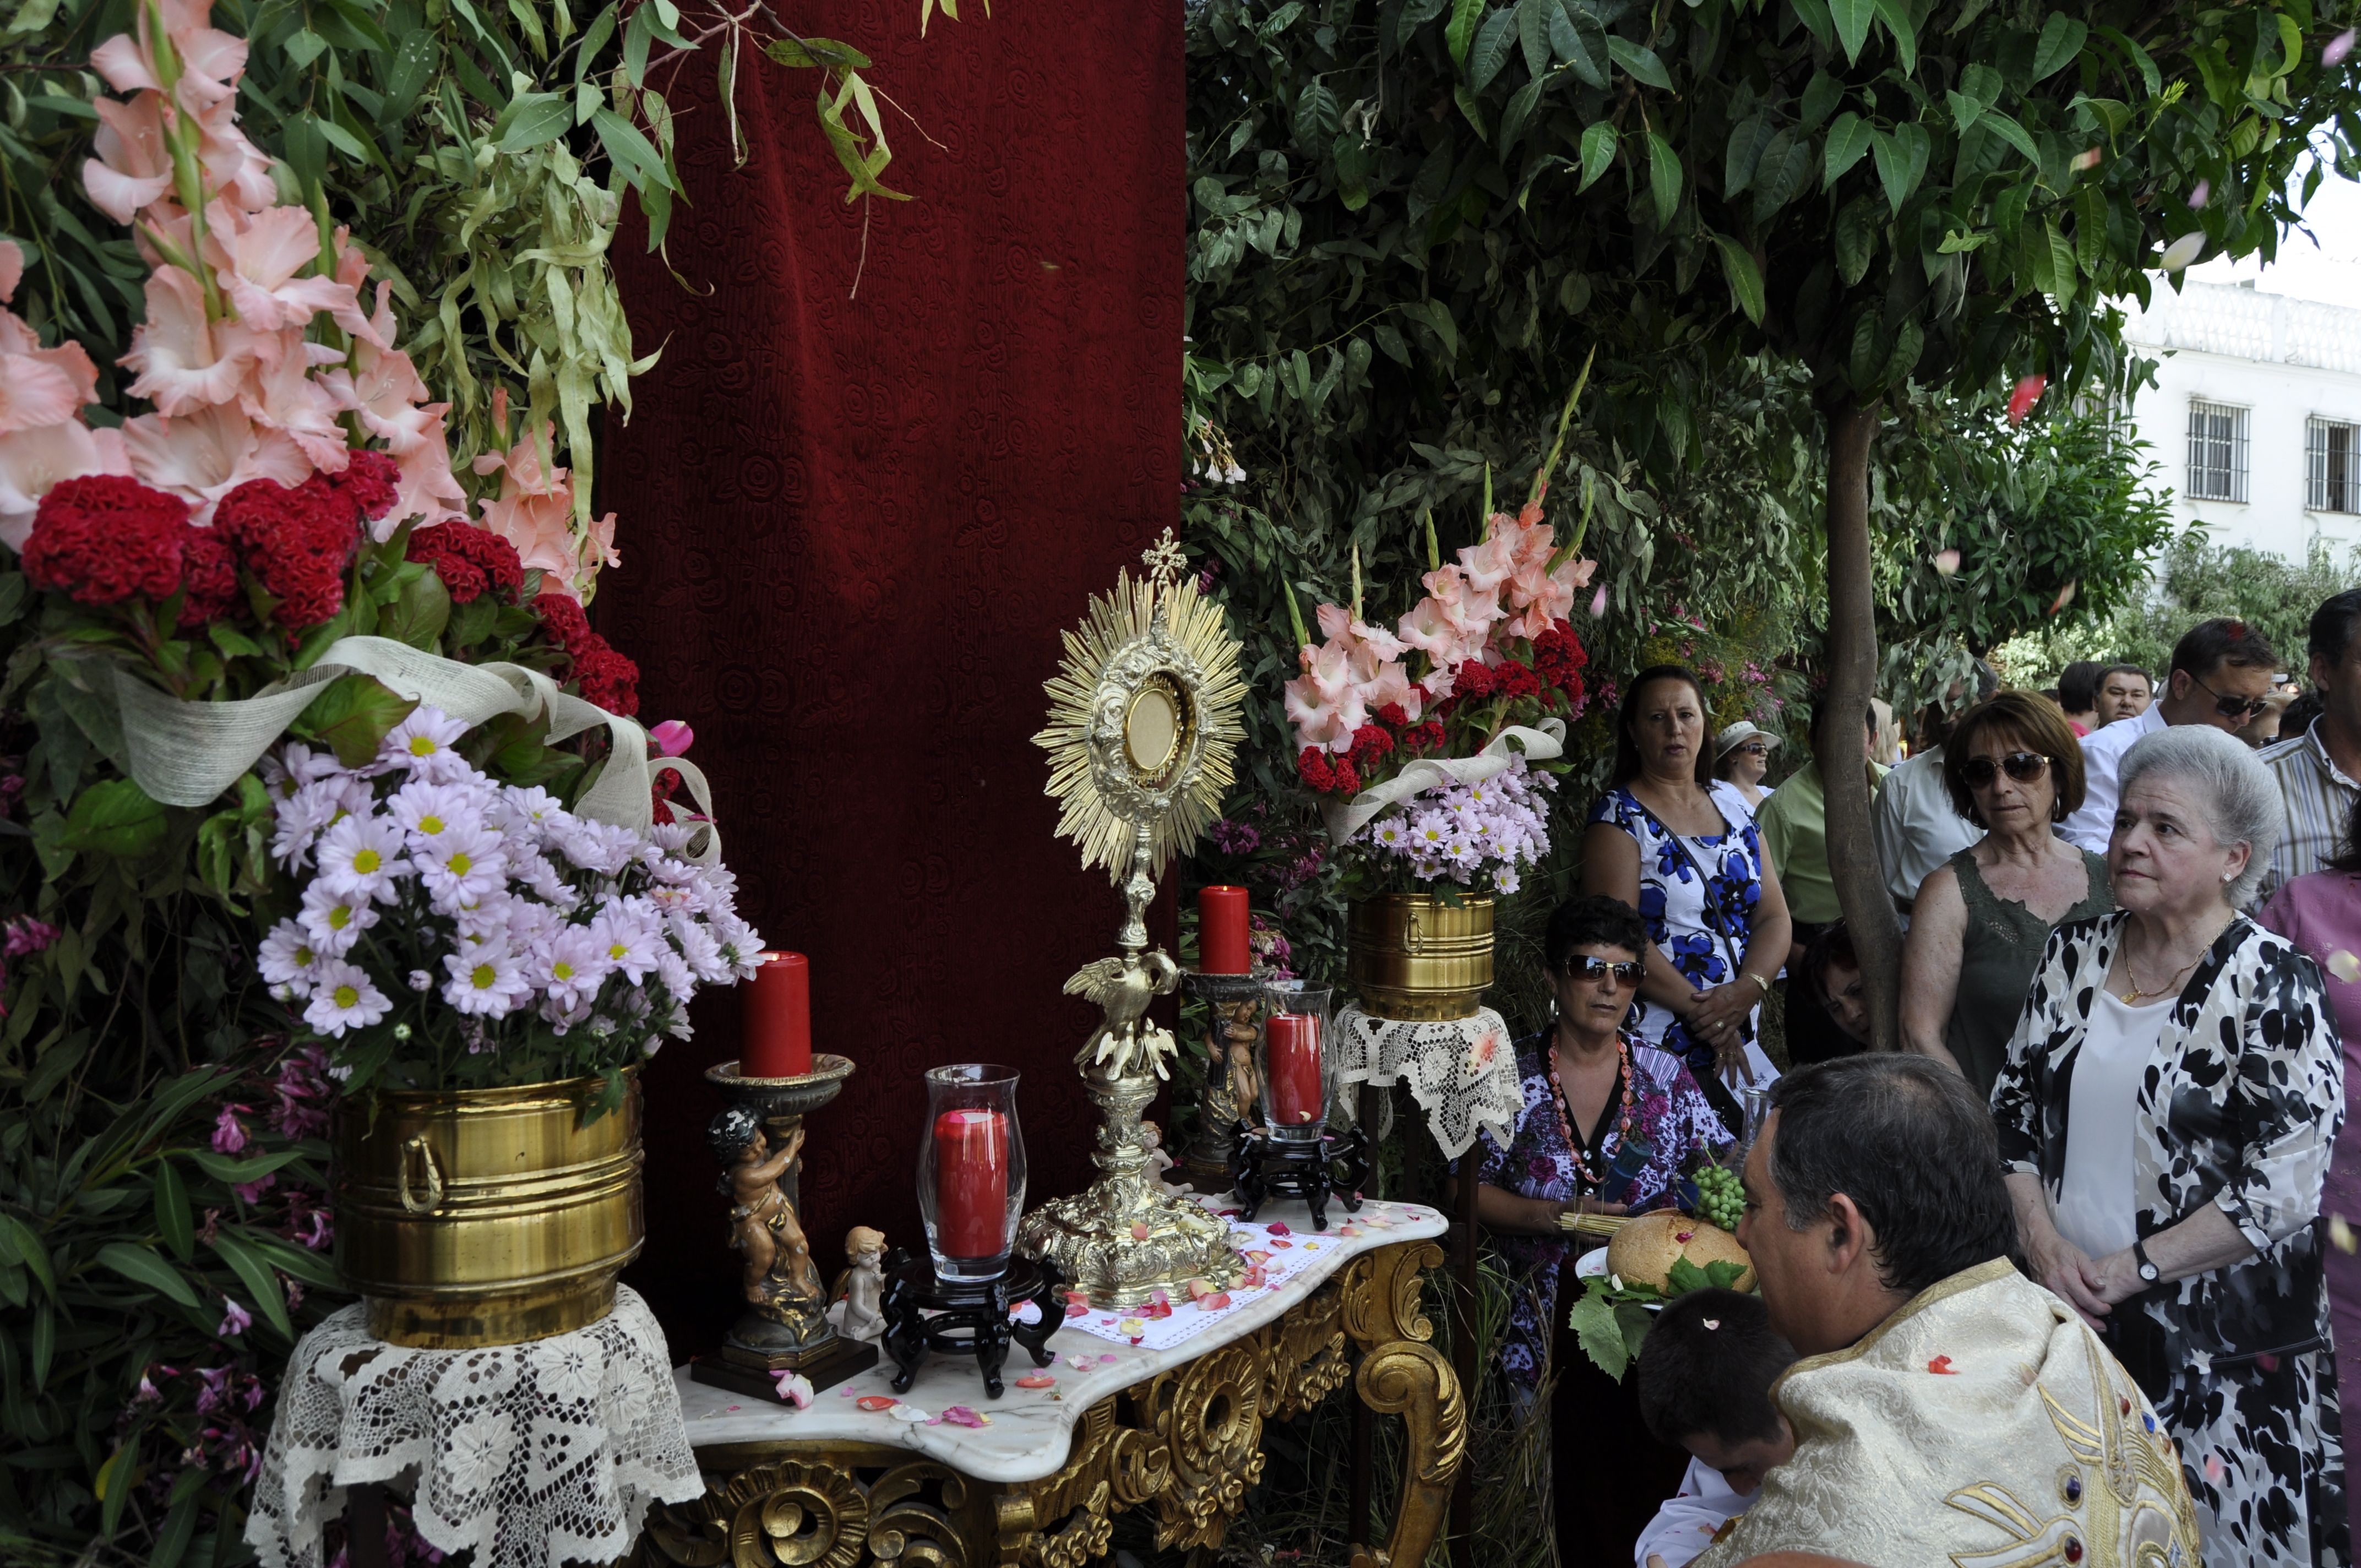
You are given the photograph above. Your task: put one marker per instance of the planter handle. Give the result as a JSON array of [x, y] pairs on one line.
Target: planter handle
[[416, 1144], [1412, 935]]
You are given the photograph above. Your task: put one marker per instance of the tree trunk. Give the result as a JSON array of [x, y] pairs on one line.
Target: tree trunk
[[1853, 681]]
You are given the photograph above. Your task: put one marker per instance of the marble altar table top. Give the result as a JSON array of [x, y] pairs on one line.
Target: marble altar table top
[[1031, 1430]]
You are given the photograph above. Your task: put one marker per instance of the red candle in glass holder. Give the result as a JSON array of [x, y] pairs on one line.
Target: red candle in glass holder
[[775, 1018], [970, 1183], [1291, 1053], [1222, 920]]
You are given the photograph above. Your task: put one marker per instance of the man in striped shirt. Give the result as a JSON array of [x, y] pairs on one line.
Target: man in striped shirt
[[2316, 770]]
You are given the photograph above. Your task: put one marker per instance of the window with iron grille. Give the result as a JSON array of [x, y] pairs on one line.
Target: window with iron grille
[[2331, 454], [2217, 452]]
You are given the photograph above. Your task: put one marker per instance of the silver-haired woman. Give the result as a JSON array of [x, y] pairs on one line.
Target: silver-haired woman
[[2167, 1111]]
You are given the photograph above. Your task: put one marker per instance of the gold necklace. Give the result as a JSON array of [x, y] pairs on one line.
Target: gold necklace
[[2134, 996]]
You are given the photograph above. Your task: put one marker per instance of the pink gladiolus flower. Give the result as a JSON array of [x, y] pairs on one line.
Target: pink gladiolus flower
[[2020, 401], [33, 460], [535, 508], [1325, 703], [2335, 51], [280, 395], [184, 363], [264, 260], [233, 168], [211, 60], [208, 454], [1368, 646], [133, 168], [1487, 565], [1392, 684], [672, 738]]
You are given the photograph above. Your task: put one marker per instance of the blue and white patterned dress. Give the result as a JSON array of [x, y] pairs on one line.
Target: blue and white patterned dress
[[1698, 899]]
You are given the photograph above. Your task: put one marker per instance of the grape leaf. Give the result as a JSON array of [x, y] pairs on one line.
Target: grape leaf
[[1593, 1321]]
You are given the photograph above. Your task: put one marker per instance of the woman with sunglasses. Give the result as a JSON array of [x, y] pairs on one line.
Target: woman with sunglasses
[[1744, 754], [1607, 1124], [1978, 924]]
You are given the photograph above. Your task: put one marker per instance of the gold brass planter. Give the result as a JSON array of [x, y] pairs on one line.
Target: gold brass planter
[[475, 1217], [1412, 956]]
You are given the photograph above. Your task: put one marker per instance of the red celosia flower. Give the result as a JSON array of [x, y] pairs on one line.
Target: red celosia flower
[[1369, 743], [373, 480], [1511, 679], [106, 538], [1424, 738], [1392, 713], [296, 543], [561, 615], [1343, 777], [1312, 767], [1472, 682], [469, 560], [608, 678], [209, 573]]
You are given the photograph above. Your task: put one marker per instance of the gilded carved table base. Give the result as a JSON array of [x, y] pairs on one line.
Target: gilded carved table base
[[1186, 1442]]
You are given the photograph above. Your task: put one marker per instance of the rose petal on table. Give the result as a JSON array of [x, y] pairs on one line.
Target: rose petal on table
[[960, 1415], [874, 1402], [1082, 1296], [1082, 1362], [846, 1392], [1348, 1231], [1311, 1247], [1214, 1302], [1076, 1309], [795, 1388], [1131, 1327], [1277, 1243], [1160, 1298], [1199, 1289], [912, 1414], [1105, 1357], [1257, 1256], [1157, 1310], [1279, 1228], [1037, 1380]]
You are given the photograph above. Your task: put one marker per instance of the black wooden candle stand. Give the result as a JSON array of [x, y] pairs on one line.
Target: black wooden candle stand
[[1262, 1168], [923, 1314]]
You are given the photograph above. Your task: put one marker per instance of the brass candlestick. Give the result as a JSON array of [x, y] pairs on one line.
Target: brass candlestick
[[1142, 723], [759, 1140]]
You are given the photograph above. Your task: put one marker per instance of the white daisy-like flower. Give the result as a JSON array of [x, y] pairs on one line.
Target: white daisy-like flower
[[703, 953], [486, 983], [335, 921], [1391, 834], [462, 865], [344, 997], [1430, 832], [288, 959], [530, 809], [361, 855], [299, 820], [428, 808], [423, 744], [295, 766], [631, 936], [741, 945], [673, 975], [1504, 880], [571, 966]]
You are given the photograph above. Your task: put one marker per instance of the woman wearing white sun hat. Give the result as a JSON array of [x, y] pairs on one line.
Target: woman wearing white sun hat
[[1742, 757]]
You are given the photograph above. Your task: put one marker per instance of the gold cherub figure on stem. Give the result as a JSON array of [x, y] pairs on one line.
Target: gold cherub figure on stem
[[779, 1277]]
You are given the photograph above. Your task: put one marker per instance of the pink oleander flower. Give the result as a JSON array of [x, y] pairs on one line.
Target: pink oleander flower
[[1325, 703], [236, 1319], [229, 1133]]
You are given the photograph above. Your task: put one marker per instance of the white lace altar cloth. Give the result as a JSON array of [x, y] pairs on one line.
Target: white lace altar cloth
[[1462, 1072], [527, 1454]]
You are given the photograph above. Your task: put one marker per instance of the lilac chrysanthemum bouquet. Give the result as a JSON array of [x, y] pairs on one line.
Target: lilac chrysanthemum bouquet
[[457, 933], [1476, 836]]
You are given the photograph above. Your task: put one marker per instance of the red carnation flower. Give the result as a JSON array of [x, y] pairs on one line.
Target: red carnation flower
[[209, 573], [105, 538], [469, 560], [372, 481], [296, 543]]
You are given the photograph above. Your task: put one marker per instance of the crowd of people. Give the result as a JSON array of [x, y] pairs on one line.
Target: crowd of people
[[2082, 1228]]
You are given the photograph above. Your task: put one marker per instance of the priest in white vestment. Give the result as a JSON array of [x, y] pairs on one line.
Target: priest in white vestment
[[1948, 1412]]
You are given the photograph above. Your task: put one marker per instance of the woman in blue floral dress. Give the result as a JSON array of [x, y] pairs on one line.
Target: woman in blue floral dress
[[1608, 1124], [1681, 847]]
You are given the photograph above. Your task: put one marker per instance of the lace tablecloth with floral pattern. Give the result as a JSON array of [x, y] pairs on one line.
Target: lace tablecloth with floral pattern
[[1462, 1072], [529, 1456]]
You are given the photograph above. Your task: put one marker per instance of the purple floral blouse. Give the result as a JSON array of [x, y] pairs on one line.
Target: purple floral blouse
[[1668, 1111]]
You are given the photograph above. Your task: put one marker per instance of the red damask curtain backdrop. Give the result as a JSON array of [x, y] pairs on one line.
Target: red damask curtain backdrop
[[851, 528]]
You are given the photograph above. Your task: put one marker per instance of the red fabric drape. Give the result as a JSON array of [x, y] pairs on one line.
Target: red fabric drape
[[851, 530]]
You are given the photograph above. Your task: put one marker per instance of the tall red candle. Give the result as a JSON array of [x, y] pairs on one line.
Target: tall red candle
[[970, 1183], [1292, 1057], [776, 1015], [1223, 919]]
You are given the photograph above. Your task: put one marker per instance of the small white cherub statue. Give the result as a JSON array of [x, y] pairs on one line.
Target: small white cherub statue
[[1160, 1164], [864, 1288]]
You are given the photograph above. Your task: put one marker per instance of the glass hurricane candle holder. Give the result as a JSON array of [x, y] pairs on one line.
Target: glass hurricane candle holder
[[1295, 1061], [970, 1171]]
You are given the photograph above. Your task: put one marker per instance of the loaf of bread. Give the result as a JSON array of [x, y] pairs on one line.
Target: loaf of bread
[[1643, 1252]]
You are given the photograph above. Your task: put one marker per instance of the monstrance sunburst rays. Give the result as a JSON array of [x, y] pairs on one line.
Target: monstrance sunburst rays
[[1157, 633]]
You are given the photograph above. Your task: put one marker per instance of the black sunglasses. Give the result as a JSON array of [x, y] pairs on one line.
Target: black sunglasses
[[1589, 967], [2023, 766], [2239, 707]]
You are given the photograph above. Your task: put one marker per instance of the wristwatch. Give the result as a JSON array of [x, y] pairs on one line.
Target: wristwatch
[[2148, 1272]]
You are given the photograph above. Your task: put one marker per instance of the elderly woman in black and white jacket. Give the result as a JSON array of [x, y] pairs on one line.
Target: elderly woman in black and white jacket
[[2167, 1111]]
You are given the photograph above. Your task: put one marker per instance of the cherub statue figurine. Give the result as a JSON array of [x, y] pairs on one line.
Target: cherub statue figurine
[[1160, 1164], [780, 1281], [864, 1288]]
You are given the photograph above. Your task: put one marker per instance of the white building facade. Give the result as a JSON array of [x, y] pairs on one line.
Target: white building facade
[[2255, 420]]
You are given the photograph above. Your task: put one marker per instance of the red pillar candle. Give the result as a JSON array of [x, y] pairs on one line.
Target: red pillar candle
[[1292, 1057], [775, 1014], [970, 1183], [1223, 919]]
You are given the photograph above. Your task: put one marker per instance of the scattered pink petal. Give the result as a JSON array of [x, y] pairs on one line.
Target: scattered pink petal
[[1277, 1243], [1278, 1228], [960, 1415], [1076, 1309], [874, 1402], [1157, 1310], [2020, 401], [2087, 159], [2335, 51], [1199, 1289], [1158, 1297], [1105, 1357], [1229, 1213], [1214, 1302], [1082, 1362], [1037, 1380], [726, 1408], [1946, 562], [2065, 597], [1598, 602], [795, 1388], [845, 1393], [1348, 1231], [1942, 1365], [2201, 194], [1257, 1256]]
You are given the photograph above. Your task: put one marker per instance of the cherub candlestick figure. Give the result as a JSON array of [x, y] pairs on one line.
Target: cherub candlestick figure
[[864, 1287], [1160, 1164], [780, 1282]]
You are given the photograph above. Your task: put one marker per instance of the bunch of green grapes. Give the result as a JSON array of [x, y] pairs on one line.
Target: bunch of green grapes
[[1719, 1197]]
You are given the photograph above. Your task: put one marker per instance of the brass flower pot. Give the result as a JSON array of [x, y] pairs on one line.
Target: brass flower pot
[[487, 1216], [1414, 957]]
